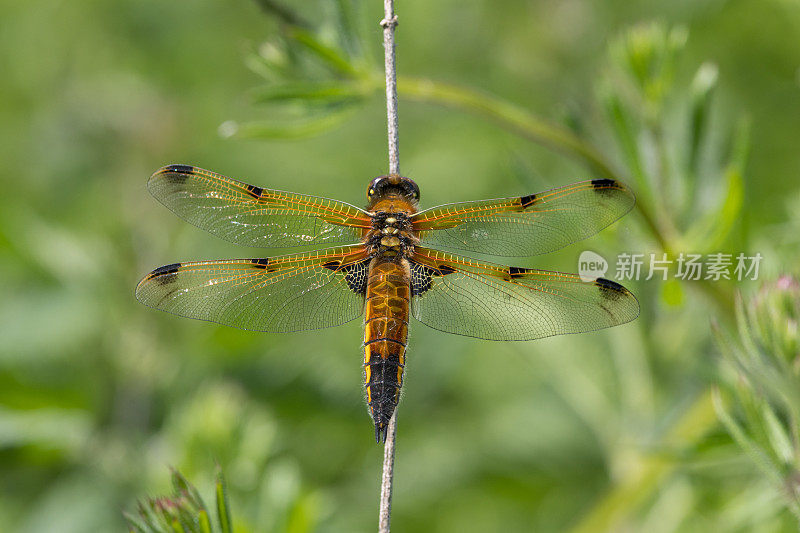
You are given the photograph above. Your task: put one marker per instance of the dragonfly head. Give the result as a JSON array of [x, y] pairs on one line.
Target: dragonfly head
[[393, 185]]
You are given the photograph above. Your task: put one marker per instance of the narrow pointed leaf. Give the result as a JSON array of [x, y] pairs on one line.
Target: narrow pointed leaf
[[329, 56], [325, 92], [223, 508], [291, 129], [204, 522], [705, 80], [135, 524], [739, 435], [778, 437]]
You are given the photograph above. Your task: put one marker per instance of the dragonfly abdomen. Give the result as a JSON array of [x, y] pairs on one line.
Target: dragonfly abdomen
[[385, 337]]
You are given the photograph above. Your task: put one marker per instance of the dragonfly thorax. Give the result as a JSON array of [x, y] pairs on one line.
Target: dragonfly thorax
[[391, 234]]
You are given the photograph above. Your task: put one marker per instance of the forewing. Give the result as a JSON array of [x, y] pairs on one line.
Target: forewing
[[252, 216], [280, 294], [525, 225], [494, 302]]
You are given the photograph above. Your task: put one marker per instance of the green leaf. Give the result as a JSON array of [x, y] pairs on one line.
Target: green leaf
[[325, 92], [271, 62], [705, 80], [711, 231], [757, 455], [135, 524], [203, 521], [283, 13], [223, 508], [348, 28], [182, 511], [329, 56], [622, 127], [778, 437], [296, 129], [182, 486], [177, 527]]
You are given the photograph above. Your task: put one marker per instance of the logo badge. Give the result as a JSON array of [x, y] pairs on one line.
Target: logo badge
[[591, 266]]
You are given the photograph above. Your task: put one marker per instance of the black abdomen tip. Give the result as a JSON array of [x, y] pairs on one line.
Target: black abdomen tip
[[380, 432]]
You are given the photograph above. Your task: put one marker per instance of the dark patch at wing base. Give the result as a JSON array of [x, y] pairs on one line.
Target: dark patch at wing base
[[356, 277], [422, 276], [355, 274]]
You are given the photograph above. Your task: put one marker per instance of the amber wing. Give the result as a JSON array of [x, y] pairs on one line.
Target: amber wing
[[495, 302], [279, 294], [253, 216], [525, 225]]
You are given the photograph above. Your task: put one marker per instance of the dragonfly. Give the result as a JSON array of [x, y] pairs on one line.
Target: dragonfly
[[387, 263]]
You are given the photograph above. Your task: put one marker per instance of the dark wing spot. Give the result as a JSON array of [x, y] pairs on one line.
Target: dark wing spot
[[445, 270], [166, 269], [166, 273], [610, 289], [604, 183], [259, 263], [517, 271], [332, 265], [178, 173], [254, 191], [527, 200], [183, 169]]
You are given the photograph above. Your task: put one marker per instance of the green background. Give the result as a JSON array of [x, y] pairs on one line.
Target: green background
[[99, 395]]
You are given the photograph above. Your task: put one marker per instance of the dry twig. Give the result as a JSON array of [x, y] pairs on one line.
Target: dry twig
[[389, 23]]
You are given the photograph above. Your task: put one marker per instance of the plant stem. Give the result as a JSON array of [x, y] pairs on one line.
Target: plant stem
[[389, 23], [387, 479]]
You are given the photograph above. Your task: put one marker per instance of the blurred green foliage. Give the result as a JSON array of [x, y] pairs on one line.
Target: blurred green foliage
[[695, 104], [763, 384], [183, 511]]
